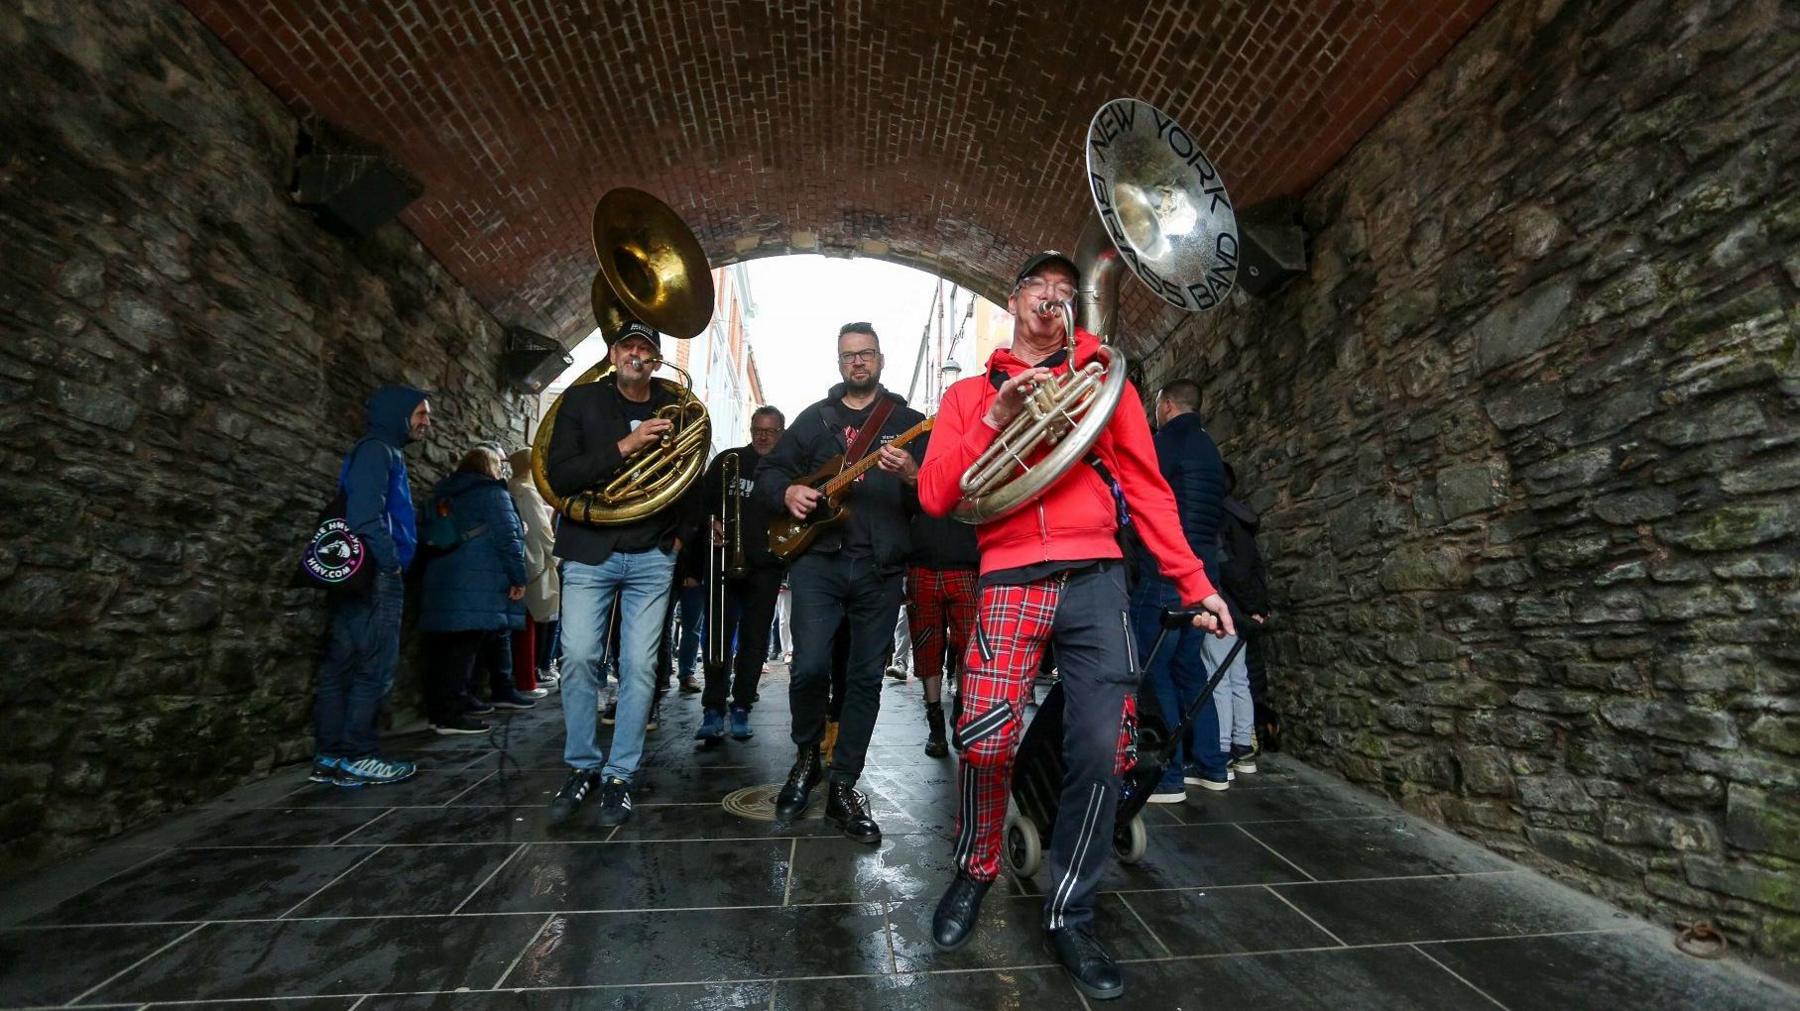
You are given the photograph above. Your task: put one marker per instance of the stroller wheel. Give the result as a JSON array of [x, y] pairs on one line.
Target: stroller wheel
[[1024, 847], [1131, 840]]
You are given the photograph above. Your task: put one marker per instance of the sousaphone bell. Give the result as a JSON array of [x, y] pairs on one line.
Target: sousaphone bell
[[653, 270]]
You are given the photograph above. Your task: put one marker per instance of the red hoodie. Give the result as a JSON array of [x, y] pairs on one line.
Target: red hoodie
[[1073, 520]]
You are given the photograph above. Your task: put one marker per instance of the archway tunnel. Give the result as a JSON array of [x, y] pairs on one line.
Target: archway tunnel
[[1524, 434]]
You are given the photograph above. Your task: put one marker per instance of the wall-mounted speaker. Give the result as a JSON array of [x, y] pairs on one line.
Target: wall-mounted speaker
[[531, 360], [1274, 246], [351, 185]]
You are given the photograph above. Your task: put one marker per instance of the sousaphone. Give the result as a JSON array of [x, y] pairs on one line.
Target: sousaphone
[[1161, 211], [653, 270]]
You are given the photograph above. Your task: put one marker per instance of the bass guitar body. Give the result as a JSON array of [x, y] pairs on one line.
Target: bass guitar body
[[788, 537]]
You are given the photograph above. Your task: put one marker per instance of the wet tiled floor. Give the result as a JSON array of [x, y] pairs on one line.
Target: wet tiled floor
[[1290, 891]]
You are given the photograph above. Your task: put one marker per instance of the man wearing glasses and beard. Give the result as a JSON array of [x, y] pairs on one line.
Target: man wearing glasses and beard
[[853, 572]]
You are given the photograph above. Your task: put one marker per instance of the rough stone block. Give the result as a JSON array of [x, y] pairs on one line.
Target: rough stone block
[[1421, 568], [1641, 825], [1776, 732], [1471, 489], [1732, 526], [1671, 721], [1584, 851], [1763, 821], [1555, 793], [1520, 326], [1778, 887]]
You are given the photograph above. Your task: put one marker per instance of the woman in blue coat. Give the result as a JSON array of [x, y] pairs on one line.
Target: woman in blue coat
[[473, 591]]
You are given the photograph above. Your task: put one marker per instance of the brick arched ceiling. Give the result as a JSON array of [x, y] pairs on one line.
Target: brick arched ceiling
[[945, 135]]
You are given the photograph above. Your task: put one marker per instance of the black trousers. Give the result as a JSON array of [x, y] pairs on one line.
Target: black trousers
[[747, 612], [450, 667], [832, 589]]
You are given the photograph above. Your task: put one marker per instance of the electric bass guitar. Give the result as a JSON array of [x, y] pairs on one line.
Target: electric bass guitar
[[789, 538]]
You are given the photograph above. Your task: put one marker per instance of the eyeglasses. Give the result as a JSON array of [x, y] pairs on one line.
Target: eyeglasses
[[852, 357], [1040, 285], [754, 430]]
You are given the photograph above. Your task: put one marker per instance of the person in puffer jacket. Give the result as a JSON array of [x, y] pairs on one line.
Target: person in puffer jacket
[[473, 594], [1052, 574]]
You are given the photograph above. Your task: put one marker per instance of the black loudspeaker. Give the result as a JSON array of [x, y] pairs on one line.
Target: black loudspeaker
[[1272, 253], [353, 194], [531, 360]]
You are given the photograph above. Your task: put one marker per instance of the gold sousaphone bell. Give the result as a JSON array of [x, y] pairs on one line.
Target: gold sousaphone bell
[[653, 270]]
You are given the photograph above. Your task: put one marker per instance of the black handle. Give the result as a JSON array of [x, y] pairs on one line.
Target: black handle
[[1181, 617]]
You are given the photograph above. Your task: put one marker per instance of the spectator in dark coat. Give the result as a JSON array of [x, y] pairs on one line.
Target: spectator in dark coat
[[473, 593]]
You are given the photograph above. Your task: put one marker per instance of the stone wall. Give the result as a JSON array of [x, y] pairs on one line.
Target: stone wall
[[1527, 443], [183, 361]]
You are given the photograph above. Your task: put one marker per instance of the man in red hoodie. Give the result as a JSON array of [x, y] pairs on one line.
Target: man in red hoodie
[[1051, 573]]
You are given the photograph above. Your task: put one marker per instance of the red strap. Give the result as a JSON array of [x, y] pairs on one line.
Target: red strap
[[871, 428]]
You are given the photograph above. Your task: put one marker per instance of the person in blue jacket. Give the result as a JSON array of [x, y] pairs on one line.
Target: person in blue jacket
[[473, 592], [363, 646]]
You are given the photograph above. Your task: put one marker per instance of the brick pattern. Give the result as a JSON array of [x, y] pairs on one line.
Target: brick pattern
[[946, 136], [1527, 444]]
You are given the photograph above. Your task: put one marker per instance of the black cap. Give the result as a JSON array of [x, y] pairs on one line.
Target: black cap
[[1047, 256], [638, 328]]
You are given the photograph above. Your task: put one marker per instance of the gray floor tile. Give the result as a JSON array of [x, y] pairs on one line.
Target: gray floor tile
[[1223, 920], [1444, 908], [696, 946], [638, 875], [1391, 846], [55, 965], [203, 884], [1639, 970], [1355, 979], [408, 880], [325, 957], [680, 997], [1040, 989], [1009, 934]]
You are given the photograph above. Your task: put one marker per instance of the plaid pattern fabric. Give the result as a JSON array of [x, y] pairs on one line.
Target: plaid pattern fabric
[[999, 667], [939, 600]]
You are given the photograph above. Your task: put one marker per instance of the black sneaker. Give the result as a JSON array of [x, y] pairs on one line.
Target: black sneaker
[[473, 706], [936, 744], [689, 686], [1088, 964], [575, 789], [615, 801], [461, 725], [1243, 758], [513, 700], [650, 720], [610, 714]]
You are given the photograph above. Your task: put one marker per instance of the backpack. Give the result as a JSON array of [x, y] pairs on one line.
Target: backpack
[[441, 533], [1241, 577], [335, 559]]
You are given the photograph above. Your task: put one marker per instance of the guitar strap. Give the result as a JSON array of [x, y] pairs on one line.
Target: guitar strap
[[871, 430]]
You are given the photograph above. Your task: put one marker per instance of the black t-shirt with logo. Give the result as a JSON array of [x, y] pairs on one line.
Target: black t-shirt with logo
[[858, 540]]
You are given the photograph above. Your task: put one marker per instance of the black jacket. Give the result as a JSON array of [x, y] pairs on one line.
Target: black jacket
[[1241, 575], [753, 512], [884, 500], [584, 452], [1190, 462], [942, 543]]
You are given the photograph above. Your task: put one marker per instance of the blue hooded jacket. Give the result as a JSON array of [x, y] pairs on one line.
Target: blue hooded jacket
[[1190, 462], [464, 590], [377, 501]]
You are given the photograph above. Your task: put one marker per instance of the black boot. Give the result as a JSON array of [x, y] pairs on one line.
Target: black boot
[[850, 810], [791, 802], [935, 744], [1087, 962], [957, 911]]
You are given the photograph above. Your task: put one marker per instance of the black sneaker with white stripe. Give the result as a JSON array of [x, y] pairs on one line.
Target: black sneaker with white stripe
[[574, 790], [615, 801]]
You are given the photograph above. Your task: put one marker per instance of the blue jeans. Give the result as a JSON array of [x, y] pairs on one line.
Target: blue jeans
[[640, 582], [358, 669], [1177, 674], [690, 604]]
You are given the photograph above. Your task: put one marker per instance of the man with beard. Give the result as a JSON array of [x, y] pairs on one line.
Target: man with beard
[[852, 573], [748, 599], [600, 428]]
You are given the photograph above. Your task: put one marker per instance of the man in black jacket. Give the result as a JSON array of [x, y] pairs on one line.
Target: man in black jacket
[[940, 610], [600, 428], [744, 603], [853, 571], [1190, 462]]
